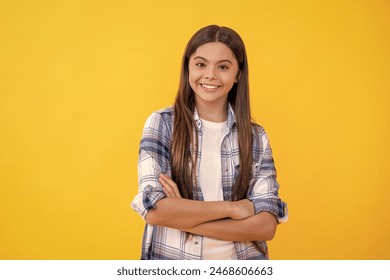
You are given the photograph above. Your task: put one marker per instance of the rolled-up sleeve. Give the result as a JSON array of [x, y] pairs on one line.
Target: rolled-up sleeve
[[153, 160], [264, 192]]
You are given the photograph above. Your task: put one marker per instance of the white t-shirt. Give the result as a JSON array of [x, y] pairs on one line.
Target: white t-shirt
[[210, 179]]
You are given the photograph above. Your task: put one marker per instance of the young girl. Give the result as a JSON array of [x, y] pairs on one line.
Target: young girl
[[207, 181]]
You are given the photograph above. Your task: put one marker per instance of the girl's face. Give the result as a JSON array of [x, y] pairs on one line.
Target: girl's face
[[213, 70]]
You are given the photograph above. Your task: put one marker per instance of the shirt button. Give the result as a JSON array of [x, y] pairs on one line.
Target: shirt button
[[226, 170], [196, 242]]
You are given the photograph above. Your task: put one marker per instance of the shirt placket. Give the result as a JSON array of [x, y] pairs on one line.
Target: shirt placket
[[226, 166]]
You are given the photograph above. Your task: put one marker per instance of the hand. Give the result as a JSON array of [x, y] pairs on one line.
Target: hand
[[242, 209], [169, 186]]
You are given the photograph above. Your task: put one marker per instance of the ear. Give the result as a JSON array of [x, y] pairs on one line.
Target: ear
[[238, 77]]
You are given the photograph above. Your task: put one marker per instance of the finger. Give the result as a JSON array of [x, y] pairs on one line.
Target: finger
[[166, 188], [172, 184], [176, 190], [167, 193], [167, 179], [169, 183]]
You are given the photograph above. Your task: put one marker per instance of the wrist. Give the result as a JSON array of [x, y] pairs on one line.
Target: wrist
[[232, 208]]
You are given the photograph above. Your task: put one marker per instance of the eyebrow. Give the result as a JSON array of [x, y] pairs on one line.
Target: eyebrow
[[223, 60]]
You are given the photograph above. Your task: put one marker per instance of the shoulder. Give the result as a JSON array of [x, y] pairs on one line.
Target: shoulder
[[260, 137], [168, 111], [160, 117], [258, 131], [159, 125]]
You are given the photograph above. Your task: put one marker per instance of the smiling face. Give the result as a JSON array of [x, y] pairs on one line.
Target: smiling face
[[213, 70]]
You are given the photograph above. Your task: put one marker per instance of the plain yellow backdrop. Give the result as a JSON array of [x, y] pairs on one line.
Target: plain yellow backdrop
[[79, 78]]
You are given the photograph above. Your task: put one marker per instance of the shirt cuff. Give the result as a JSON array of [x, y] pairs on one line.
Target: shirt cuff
[[146, 201], [274, 205]]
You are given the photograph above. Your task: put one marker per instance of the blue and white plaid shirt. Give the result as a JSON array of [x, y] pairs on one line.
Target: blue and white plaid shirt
[[154, 158]]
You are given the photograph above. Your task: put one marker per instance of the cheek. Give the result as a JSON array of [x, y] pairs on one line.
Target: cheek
[[193, 77], [191, 80], [229, 80], [193, 73]]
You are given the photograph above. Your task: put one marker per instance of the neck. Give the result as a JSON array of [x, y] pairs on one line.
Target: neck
[[212, 112]]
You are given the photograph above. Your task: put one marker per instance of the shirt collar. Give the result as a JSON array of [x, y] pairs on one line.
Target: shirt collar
[[231, 120]]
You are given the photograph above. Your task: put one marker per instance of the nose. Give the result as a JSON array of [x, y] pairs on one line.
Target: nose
[[210, 75]]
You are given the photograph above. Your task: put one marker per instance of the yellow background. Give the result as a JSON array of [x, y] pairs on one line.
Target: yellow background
[[79, 78]]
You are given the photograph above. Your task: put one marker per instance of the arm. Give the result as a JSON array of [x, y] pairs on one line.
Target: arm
[[153, 159], [261, 226], [185, 213], [264, 191], [175, 212]]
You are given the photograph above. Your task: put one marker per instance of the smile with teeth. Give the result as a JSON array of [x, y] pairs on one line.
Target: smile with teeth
[[209, 86]]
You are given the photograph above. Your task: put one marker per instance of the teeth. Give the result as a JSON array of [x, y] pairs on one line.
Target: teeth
[[210, 87]]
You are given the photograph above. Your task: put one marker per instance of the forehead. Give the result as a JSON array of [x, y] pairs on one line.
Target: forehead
[[214, 51]]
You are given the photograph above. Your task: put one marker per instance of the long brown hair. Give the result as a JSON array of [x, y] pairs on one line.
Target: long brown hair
[[183, 160]]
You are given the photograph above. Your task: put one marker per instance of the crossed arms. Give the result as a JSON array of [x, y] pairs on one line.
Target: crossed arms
[[225, 220]]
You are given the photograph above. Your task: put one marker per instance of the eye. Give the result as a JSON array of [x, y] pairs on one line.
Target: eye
[[224, 67], [200, 64]]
